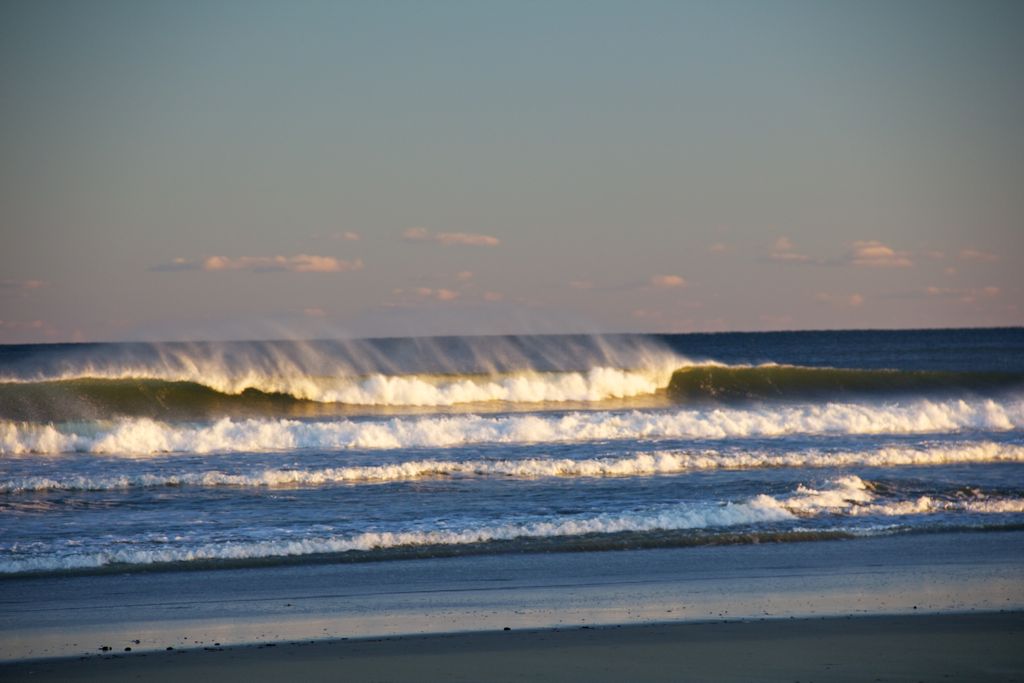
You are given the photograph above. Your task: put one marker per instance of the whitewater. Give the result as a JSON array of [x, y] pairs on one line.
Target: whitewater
[[188, 455]]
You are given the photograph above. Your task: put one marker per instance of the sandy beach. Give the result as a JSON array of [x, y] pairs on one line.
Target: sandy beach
[[948, 607], [975, 647]]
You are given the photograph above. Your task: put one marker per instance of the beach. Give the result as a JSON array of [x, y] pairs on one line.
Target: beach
[[951, 606], [981, 647], [788, 506]]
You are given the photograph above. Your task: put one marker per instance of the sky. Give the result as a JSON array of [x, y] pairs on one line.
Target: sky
[[203, 169]]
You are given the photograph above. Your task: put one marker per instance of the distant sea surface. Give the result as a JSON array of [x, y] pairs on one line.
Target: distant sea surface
[[115, 457]]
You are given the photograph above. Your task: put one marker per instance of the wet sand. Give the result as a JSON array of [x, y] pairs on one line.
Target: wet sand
[[926, 607], [937, 647]]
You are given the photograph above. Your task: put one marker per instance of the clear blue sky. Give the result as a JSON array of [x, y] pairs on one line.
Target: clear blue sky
[[238, 169]]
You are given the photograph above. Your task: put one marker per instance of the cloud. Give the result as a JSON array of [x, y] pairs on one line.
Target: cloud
[[464, 276], [719, 248], [450, 238], [314, 312], [864, 253], [841, 300], [493, 296], [300, 263], [874, 254], [430, 293], [22, 285], [350, 236], [667, 281], [784, 251], [582, 284], [443, 294], [978, 256]]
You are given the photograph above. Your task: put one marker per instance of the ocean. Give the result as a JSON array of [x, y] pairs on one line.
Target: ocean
[[183, 456]]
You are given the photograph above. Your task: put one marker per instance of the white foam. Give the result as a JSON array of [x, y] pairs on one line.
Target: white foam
[[637, 464], [672, 517], [143, 436], [852, 496], [847, 496]]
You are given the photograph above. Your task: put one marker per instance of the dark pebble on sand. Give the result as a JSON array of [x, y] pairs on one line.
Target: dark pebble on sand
[[169, 648], [507, 628], [127, 649], [105, 648]]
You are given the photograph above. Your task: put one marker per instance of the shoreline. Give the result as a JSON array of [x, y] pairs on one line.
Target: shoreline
[[925, 647], [885, 575]]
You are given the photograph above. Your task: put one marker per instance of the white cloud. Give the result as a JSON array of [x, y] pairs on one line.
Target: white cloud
[[785, 251], [418, 234], [300, 263], [874, 254]]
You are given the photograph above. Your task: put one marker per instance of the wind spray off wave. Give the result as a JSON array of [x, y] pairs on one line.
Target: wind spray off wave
[[291, 378]]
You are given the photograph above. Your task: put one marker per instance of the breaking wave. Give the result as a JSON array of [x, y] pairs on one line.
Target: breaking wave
[[85, 398], [635, 465], [141, 436], [847, 496], [211, 379], [853, 496]]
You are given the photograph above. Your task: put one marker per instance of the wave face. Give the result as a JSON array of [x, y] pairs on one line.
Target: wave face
[[721, 383], [182, 381]]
